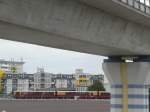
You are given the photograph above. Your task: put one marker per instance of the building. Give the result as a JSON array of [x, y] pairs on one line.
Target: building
[[31, 82], [42, 80], [10, 83], [61, 83], [22, 82], [16, 82], [84, 80], [97, 78], [8, 86], [64, 82], [11, 66], [51, 82]]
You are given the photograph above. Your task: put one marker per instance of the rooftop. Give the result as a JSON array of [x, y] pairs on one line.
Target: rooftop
[[2, 61]]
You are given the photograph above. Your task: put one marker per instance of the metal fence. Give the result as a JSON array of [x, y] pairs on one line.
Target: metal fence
[[140, 5]]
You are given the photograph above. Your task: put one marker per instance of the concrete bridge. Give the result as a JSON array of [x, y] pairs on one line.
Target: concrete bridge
[[103, 27]]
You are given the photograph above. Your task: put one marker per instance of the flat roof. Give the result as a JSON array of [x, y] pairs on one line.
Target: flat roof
[[11, 62]]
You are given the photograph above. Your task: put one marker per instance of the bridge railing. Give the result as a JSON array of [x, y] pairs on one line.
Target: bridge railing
[[140, 5]]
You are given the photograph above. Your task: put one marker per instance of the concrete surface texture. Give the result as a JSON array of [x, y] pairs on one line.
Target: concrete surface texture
[[118, 8], [72, 25], [54, 106]]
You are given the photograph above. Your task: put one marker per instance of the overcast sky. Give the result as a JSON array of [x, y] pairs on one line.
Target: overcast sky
[[53, 60]]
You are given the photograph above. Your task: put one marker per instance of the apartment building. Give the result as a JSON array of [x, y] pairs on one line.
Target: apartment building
[[11, 66]]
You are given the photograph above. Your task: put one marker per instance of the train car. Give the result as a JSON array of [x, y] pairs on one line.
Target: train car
[[93, 95], [62, 95], [34, 95]]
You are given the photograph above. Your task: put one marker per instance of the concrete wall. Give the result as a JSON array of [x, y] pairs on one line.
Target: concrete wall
[[71, 25]]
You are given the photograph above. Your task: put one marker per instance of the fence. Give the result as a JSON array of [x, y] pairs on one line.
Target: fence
[[140, 5]]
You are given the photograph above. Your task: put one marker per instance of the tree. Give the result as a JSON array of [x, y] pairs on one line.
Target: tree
[[97, 86], [2, 74], [13, 69]]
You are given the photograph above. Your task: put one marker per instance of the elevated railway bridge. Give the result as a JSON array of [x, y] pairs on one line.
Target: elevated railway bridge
[[118, 29]]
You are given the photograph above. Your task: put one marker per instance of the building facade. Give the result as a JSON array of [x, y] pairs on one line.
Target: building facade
[[64, 82], [79, 81], [16, 82], [42, 80], [11, 66], [84, 80]]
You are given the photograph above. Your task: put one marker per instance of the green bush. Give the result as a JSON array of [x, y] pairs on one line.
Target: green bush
[[98, 86]]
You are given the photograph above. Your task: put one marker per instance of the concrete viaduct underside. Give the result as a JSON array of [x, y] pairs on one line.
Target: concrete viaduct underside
[[83, 26], [101, 27]]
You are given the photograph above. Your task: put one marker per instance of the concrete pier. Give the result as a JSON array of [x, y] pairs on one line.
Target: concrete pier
[[129, 85]]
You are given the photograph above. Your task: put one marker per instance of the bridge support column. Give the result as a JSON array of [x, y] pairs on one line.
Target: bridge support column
[[129, 84]]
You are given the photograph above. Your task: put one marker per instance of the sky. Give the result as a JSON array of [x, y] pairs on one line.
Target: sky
[[51, 59]]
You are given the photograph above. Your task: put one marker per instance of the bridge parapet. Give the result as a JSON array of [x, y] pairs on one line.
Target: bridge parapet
[[140, 5]]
